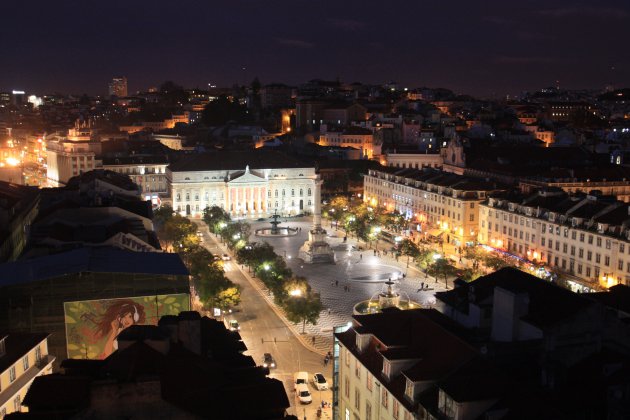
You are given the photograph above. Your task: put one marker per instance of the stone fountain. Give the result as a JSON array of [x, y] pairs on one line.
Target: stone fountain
[[274, 230], [389, 297]]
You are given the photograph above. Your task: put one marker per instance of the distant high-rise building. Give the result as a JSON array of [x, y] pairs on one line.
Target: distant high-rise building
[[118, 87]]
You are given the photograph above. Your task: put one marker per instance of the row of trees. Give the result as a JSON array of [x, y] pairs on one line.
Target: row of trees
[[362, 220], [290, 292], [180, 234]]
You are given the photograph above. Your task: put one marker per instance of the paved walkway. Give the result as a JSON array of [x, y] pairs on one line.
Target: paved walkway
[[356, 276]]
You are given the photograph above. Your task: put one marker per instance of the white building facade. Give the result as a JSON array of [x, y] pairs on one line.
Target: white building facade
[[245, 184], [585, 237]]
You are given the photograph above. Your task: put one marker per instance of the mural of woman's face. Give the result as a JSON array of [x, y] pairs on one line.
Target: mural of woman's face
[[127, 320]]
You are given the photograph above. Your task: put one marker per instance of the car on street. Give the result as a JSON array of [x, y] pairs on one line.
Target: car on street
[[268, 361], [303, 394], [319, 382], [234, 325], [300, 378], [226, 257]]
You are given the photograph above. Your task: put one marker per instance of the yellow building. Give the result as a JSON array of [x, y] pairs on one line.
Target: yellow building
[[23, 357], [583, 236], [356, 137], [444, 204]]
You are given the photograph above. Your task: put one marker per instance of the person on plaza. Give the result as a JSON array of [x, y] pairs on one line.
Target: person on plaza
[[375, 253], [360, 256], [336, 282], [313, 340]]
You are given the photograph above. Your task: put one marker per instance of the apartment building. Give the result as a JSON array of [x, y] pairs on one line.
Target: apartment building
[[23, 357], [146, 171], [439, 203], [584, 235], [356, 137], [404, 365], [414, 160]]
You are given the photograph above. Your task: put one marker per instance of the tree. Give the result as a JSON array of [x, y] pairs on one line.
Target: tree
[[215, 217], [496, 262], [210, 282], [410, 249], [228, 298], [442, 267], [236, 233], [162, 215], [394, 221], [474, 254], [176, 231], [424, 258], [336, 209], [304, 309], [470, 274]]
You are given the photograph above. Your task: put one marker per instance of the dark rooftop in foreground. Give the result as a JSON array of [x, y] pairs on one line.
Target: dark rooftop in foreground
[[98, 259]]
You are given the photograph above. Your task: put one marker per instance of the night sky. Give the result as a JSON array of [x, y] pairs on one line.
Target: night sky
[[483, 47]]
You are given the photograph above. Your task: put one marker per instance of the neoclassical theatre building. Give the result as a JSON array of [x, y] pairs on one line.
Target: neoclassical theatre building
[[244, 183]]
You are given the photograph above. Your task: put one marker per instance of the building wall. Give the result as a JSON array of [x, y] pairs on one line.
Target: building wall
[[13, 389], [151, 178], [619, 189], [354, 384], [455, 213], [364, 142], [68, 159], [588, 254], [38, 306], [261, 194], [414, 160]]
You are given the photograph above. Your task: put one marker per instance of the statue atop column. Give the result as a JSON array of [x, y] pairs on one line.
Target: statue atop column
[[316, 249]]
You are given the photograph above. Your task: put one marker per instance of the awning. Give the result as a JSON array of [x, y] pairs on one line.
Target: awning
[[435, 232]]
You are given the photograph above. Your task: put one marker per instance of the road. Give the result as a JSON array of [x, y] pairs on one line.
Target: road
[[263, 331]]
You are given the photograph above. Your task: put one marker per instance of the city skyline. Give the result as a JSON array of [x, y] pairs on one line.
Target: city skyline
[[488, 50]]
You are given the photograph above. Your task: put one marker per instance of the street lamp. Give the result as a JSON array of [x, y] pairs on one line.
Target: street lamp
[[295, 292]]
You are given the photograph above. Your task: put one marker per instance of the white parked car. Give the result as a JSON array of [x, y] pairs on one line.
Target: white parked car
[[319, 382], [303, 394], [226, 257], [234, 325], [300, 378]]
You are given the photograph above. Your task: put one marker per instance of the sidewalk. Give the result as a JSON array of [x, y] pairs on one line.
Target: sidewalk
[[352, 279], [313, 342]]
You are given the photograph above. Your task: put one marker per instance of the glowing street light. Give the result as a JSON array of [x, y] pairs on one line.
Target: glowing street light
[[295, 292], [266, 267]]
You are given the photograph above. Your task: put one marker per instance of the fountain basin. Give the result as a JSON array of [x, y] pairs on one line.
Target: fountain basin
[[279, 232]]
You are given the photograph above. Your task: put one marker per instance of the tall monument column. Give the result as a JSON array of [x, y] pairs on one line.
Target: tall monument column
[[317, 205], [316, 249]]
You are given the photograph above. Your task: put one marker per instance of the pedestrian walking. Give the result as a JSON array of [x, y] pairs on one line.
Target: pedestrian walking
[[313, 340], [326, 360], [328, 311], [422, 285], [332, 283], [360, 256], [336, 282], [375, 253]]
